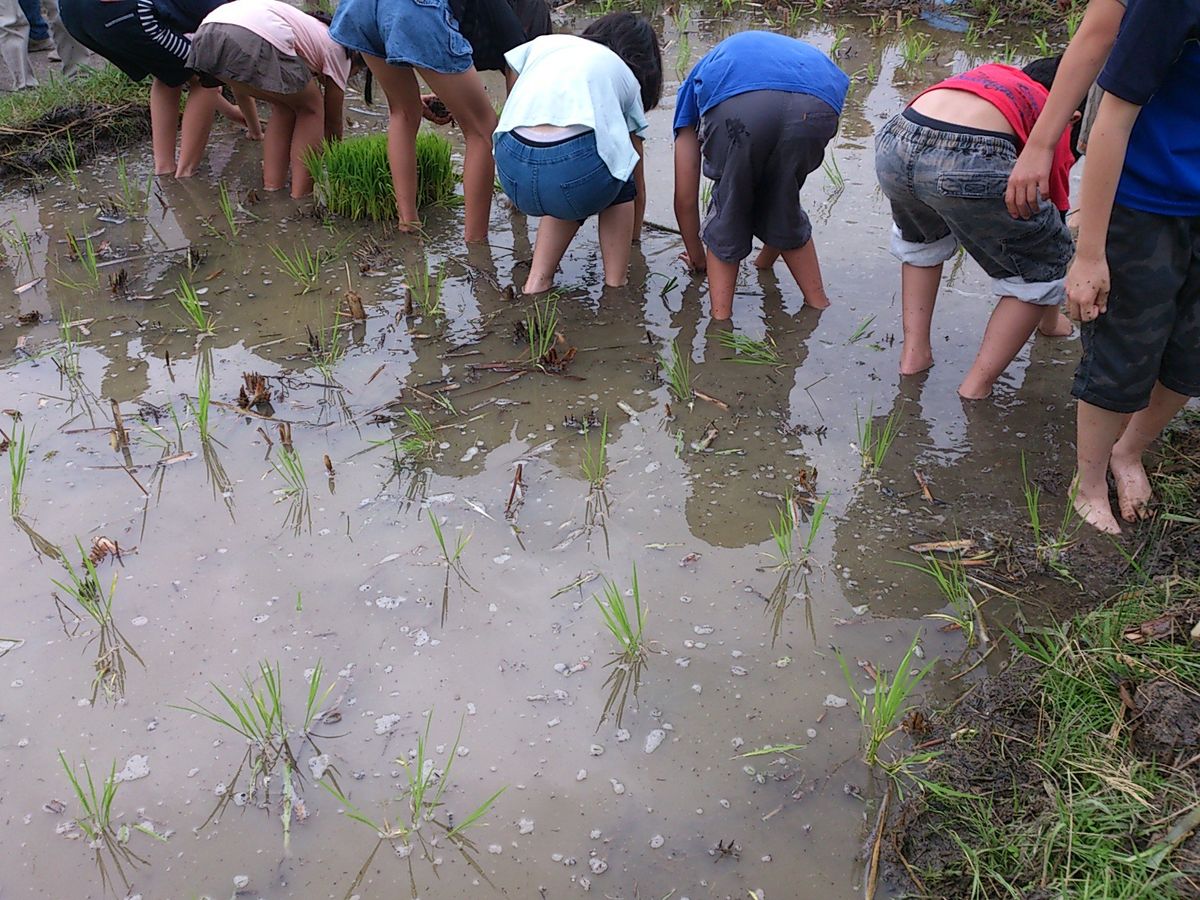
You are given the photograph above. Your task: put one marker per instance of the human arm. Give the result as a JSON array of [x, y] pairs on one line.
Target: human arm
[[1080, 65], [687, 195], [249, 109], [1088, 277], [335, 121], [639, 180]]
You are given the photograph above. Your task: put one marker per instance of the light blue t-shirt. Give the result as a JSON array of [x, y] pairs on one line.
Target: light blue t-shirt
[[566, 80], [758, 61]]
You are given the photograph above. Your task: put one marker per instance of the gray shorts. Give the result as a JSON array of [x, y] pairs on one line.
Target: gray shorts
[[1151, 331], [758, 148], [222, 53], [947, 188]]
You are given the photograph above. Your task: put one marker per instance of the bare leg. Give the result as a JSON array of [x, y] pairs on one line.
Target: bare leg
[[309, 131], [1008, 329], [722, 281], [1055, 324], [616, 242], [229, 110], [467, 101], [802, 262], [277, 145], [553, 238], [197, 123], [766, 258], [1133, 486], [164, 125], [1096, 432], [404, 118], [918, 296]]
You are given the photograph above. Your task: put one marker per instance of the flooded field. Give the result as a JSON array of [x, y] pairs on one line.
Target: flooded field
[[294, 528]]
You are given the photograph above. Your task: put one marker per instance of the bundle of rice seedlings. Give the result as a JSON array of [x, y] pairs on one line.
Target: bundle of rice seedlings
[[352, 178]]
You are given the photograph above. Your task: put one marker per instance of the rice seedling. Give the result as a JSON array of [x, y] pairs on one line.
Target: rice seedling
[[66, 167], [783, 530], [749, 351], [595, 459], [863, 330], [875, 441], [1074, 18], [421, 440], [840, 33], [107, 840], [18, 466], [96, 603], [287, 465], [193, 307], [881, 710], [327, 347], [451, 560], [541, 327], [628, 627], [437, 182], [425, 287], [272, 738], [84, 252], [1041, 41], [833, 172], [203, 402], [678, 372], [952, 583], [18, 239], [228, 209], [1050, 543], [916, 47], [423, 819], [302, 265], [995, 17], [133, 201]]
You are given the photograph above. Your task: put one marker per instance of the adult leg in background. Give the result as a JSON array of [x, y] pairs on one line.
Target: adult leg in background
[[16, 72]]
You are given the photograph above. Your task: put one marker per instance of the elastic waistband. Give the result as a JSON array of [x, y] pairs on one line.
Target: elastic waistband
[[934, 133], [532, 143]]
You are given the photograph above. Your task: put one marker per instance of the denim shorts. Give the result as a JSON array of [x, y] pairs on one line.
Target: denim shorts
[[566, 180], [947, 188], [422, 33], [758, 149], [1151, 331]]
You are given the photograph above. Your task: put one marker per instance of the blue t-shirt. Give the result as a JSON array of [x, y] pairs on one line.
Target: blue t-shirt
[[1155, 63], [758, 61]]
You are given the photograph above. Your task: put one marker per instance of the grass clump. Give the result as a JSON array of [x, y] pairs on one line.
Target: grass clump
[[875, 440], [303, 265], [351, 178], [750, 351], [955, 587], [677, 371], [107, 839], [18, 465], [193, 307], [627, 626]]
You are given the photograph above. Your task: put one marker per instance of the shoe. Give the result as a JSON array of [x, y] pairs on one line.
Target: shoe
[[37, 46]]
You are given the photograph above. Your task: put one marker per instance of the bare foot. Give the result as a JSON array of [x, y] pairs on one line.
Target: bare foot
[[817, 301], [1096, 512], [1133, 487], [914, 362], [537, 285], [971, 391], [1056, 325]]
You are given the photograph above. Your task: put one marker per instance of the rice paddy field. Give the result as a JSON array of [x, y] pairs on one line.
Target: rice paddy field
[[337, 568]]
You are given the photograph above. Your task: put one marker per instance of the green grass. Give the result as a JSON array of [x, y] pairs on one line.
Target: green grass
[[916, 47], [93, 601], [258, 717], [677, 371], [423, 820], [627, 624], [351, 178], [303, 265], [750, 351], [875, 441], [18, 467], [883, 707], [193, 307], [99, 108]]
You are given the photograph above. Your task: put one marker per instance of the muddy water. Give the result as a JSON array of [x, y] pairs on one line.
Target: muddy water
[[221, 569]]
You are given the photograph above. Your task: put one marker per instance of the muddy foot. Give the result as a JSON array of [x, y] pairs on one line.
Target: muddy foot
[[970, 391], [1058, 326], [1133, 487], [1097, 513], [916, 362], [817, 301]]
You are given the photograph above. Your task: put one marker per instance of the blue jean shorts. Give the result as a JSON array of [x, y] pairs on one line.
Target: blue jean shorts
[[567, 179], [946, 189], [421, 33]]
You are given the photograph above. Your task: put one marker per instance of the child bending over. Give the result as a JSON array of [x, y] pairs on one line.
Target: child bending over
[[569, 142], [271, 51], [944, 165], [1135, 281], [755, 113]]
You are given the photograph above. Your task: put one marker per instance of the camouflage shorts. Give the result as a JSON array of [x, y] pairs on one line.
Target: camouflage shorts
[[1151, 331]]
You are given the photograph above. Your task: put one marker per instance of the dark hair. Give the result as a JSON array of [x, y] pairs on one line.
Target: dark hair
[[356, 59], [632, 38], [1043, 71]]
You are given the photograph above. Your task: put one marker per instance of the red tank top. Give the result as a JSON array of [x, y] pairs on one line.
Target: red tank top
[[1020, 100]]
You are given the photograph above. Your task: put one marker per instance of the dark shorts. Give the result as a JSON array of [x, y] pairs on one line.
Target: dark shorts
[[946, 187], [1151, 331], [223, 53], [567, 179], [493, 27], [758, 149], [422, 33], [132, 36]]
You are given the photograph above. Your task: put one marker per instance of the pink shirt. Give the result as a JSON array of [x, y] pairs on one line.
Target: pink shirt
[[289, 31]]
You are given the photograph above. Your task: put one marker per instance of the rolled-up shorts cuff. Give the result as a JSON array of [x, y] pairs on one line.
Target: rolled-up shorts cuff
[[1038, 293], [1094, 398], [924, 256]]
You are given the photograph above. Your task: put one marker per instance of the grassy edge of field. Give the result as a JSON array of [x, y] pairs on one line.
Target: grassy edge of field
[[1044, 787]]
